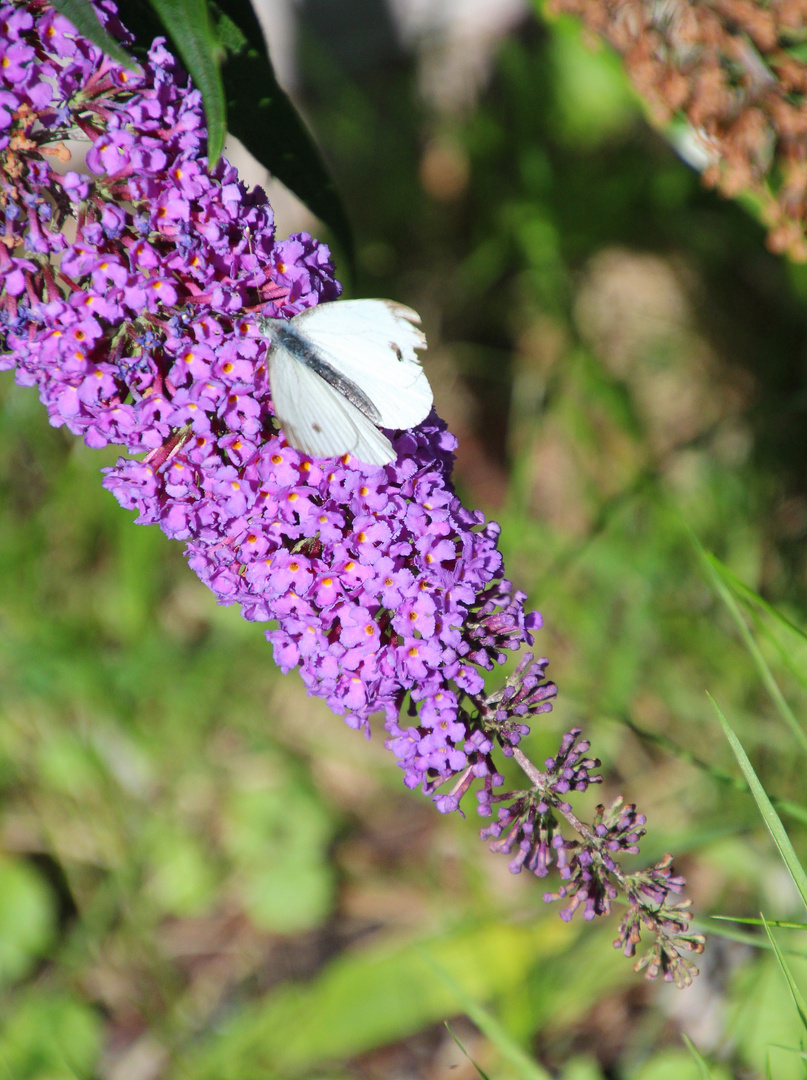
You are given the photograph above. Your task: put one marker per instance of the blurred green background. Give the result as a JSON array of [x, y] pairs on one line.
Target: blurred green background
[[204, 874]]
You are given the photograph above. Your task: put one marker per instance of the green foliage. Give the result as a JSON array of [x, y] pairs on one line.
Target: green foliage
[[769, 815], [676, 1065], [372, 997], [703, 1068], [591, 100], [26, 919], [49, 1036], [766, 1020], [280, 834]]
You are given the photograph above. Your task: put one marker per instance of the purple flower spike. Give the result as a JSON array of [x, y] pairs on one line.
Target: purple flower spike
[[382, 590], [380, 583]]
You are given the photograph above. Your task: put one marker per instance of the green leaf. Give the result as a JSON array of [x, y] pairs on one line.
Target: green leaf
[[704, 1068], [27, 918], [738, 586], [792, 809], [756, 941], [264, 119], [458, 1041], [524, 1065], [767, 1017], [228, 61], [795, 993], [82, 15], [372, 997], [781, 924], [769, 815], [713, 567], [187, 23], [287, 884], [757, 607], [798, 1051], [49, 1035]]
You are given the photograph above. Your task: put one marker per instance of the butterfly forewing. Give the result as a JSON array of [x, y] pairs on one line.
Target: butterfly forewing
[[372, 343]]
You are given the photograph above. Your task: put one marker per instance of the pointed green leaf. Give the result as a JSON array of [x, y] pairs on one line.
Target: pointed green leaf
[[748, 938], [798, 1051], [712, 565], [757, 607], [187, 23], [264, 119], [751, 597], [458, 1041], [794, 810], [795, 993], [525, 1066], [82, 15], [704, 1068], [372, 997], [769, 815], [780, 924]]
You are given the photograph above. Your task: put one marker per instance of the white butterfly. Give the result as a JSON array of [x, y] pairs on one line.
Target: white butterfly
[[340, 370]]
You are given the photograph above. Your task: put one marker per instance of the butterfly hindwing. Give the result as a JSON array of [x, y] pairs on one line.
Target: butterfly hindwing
[[317, 419]]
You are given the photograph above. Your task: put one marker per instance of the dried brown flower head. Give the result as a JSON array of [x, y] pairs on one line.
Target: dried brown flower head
[[734, 69]]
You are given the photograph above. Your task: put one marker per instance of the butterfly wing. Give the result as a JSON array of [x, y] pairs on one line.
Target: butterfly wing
[[372, 343], [317, 419]]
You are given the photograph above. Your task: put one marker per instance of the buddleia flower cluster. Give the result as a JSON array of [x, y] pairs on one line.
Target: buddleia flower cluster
[[130, 293], [527, 826]]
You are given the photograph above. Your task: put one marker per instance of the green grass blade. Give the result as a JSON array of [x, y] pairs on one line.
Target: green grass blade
[[490, 1026], [738, 586], [797, 1050], [756, 941], [713, 567], [769, 815], [780, 924], [450, 1031], [702, 1066], [82, 15], [756, 608], [795, 993], [794, 665], [784, 806]]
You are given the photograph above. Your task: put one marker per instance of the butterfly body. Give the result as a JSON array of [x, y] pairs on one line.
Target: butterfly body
[[339, 371]]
